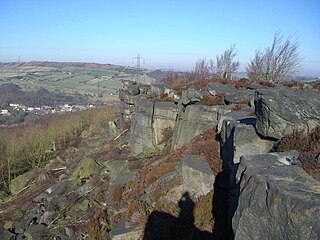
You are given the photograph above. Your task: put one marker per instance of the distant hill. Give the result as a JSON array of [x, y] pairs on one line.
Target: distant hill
[[101, 81], [12, 93]]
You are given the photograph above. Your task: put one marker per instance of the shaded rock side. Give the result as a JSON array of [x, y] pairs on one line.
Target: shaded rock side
[[276, 201], [281, 111], [232, 115], [198, 178], [141, 136], [194, 120]]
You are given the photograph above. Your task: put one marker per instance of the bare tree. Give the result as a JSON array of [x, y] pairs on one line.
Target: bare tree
[[276, 62], [225, 66], [201, 70]]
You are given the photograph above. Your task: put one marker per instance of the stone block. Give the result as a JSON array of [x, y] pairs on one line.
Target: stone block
[[198, 178], [281, 111], [275, 201], [193, 121]]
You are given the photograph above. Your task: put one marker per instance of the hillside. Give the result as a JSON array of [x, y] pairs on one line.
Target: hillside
[[101, 80]]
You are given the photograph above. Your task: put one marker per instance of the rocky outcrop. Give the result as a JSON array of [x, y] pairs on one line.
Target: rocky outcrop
[[276, 200], [164, 117], [227, 114], [281, 111], [148, 123], [190, 96], [192, 121], [130, 93], [239, 138], [215, 88], [198, 178], [141, 136], [240, 96]]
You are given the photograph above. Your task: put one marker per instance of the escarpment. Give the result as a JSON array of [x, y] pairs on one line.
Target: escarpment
[[197, 165]]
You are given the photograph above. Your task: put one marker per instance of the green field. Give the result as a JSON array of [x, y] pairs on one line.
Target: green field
[[83, 78]]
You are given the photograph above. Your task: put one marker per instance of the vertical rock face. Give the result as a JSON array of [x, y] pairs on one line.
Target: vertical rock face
[[194, 120], [281, 111], [127, 106], [141, 136], [275, 201], [148, 123], [198, 178], [239, 138], [165, 114]]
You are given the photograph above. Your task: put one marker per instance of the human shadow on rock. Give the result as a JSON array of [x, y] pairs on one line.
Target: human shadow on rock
[[164, 226], [222, 229]]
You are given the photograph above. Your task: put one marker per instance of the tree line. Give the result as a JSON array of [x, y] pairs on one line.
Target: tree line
[[12, 93], [274, 63]]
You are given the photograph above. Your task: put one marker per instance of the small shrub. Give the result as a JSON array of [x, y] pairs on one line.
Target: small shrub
[[208, 146], [166, 98], [117, 193], [98, 226], [294, 84], [316, 85], [213, 100], [242, 83], [266, 84], [155, 172]]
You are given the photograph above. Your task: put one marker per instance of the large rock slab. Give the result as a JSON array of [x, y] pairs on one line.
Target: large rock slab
[[126, 97], [119, 181], [276, 200], [239, 138], [215, 88], [281, 111], [240, 96], [198, 178], [116, 168], [124, 232], [20, 182], [86, 167], [165, 114], [190, 96], [232, 115], [141, 137], [194, 120], [157, 90]]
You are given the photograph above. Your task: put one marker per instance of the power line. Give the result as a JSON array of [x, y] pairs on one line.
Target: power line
[[138, 66]]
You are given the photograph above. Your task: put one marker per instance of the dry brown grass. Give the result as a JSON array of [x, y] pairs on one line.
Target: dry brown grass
[[203, 212], [308, 146], [294, 84], [316, 85], [98, 226], [207, 145], [117, 193], [213, 100]]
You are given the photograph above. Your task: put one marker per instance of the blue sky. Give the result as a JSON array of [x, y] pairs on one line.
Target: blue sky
[[166, 33]]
